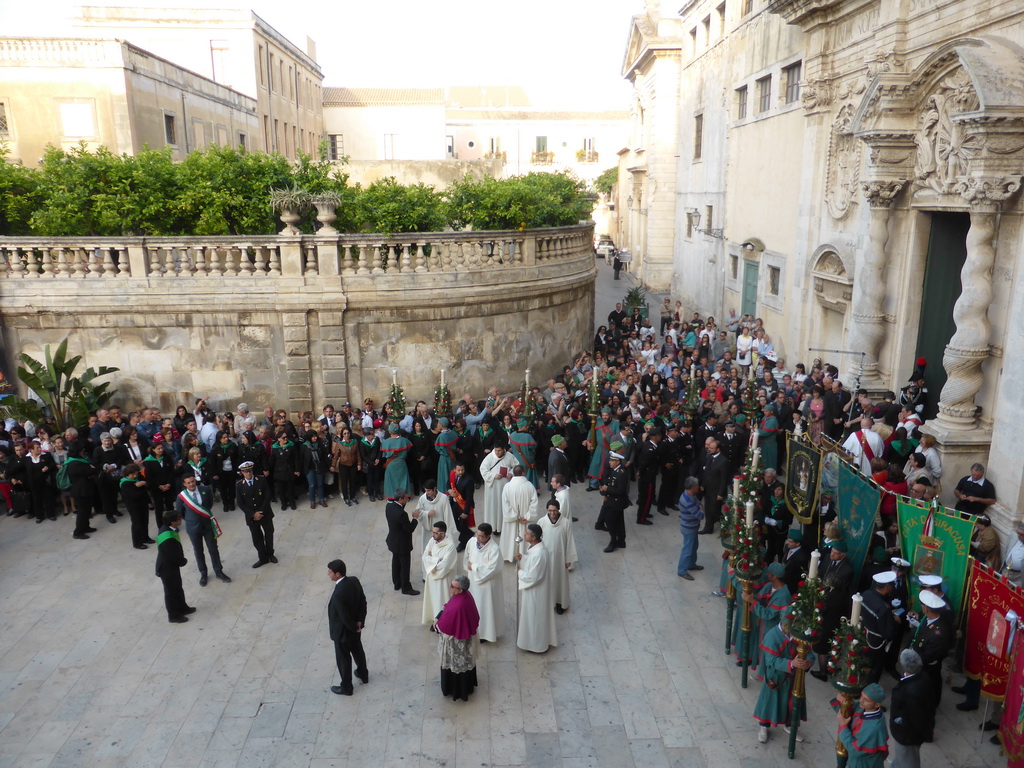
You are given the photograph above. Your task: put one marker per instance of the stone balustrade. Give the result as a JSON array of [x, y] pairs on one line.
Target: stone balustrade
[[274, 256], [299, 321]]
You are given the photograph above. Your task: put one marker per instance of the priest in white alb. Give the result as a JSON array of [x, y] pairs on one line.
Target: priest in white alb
[[560, 544], [496, 470], [518, 507], [536, 617], [564, 499], [484, 567], [433, 507], [439, 561], [864, 445]]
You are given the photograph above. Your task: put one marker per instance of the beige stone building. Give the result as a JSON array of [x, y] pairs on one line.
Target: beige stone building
[[850, 171], [111, 93], [235, 48]]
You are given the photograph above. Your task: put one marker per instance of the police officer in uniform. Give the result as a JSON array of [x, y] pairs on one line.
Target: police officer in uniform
[[614, 486], [932, 640], [879, 622], [648, 461], [253, 497]]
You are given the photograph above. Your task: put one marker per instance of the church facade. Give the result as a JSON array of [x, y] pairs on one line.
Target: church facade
[[850, 171]]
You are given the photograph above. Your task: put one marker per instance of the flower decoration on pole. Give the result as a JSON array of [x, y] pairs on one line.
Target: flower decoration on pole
[[443, 399], [804, 628], [396, 399], [848, 667], [526, 398], [691, 405]]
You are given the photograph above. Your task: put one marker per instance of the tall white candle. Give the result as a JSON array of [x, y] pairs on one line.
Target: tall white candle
[[736, 489], [394, 377], [693, 371], [812, 572], [753, 444], [855, 613], [750, 514], [527, 378], [442, 378], [753, 463]]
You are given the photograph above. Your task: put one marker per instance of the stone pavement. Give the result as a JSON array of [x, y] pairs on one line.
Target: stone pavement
[[91, 673]]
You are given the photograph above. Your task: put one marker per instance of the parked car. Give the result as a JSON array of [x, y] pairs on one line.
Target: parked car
[[605, 249]]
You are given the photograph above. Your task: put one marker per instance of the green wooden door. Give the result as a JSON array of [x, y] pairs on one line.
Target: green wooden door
[[947, 252], [749, 304]]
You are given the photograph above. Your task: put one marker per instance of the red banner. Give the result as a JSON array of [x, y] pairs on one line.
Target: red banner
[[1011, 727], [986, 657]]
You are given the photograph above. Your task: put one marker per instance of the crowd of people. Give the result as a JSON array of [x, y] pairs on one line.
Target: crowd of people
[[491, 483]]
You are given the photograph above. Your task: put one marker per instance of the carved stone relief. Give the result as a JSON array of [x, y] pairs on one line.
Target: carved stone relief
[[843, 165], [944, 147]]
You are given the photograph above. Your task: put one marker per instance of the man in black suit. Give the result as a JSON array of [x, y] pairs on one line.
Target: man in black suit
[[558, 463], [714, 480], [839, 564], [346, 613], [170, 558], [399, 540], [159, 470], [796, 558], [733, 446], [460, 496], [253, 498], [194, 504]]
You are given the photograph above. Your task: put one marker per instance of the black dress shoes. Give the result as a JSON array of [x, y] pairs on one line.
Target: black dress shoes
[[149, 541], [260, 563], [79, 536], [273, 559], [610, 548], [93, 530], [141, 546], [663, 511], [224, 577], [961, 689], [111, 519], [696, 567], [178, 620], [203, 580], [410, 591], [189, 610], [341, 691], [365, 677]]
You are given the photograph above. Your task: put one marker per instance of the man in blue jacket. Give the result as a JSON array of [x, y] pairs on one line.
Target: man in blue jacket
[[691, 516]]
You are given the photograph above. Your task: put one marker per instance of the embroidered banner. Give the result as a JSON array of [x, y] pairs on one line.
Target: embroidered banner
[[986, 656], [857, 504], [830, 462], [803, 463], [945, 552], [1011, 727]]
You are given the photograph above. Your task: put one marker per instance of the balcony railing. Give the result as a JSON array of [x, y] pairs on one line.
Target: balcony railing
[[542, 158]]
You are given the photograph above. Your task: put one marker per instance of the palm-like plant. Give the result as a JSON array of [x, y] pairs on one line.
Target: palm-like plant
[[69, 398]]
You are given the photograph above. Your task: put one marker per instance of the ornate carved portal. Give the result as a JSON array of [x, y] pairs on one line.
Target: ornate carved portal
[[843, 169], [945, 148]]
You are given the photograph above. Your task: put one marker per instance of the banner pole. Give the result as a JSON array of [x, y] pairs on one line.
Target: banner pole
[[981, 739]]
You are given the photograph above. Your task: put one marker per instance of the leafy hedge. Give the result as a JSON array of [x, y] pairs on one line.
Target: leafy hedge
[[225, 191]]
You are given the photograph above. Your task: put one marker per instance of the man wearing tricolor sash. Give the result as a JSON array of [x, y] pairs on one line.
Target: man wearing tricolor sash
[[194, 504]]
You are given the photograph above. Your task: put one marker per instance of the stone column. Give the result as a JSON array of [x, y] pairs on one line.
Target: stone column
[[868, 312], [969, 346]]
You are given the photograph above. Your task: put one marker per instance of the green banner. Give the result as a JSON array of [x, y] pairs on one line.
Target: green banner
[[857, 505], [946, 552]]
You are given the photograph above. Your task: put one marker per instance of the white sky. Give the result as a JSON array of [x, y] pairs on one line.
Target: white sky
[[566, 53]]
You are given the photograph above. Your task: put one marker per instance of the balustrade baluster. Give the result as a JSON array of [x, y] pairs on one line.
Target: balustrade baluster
[[311, 269], [363, 267], [47, 263], [95, 264], [275, 261], [31, 262], [259, 260], [109, 268], [215, 270], [420, 256], [199, 260], [78, 263], [62, 271], [236, 261], [377, 268], [13, 262]]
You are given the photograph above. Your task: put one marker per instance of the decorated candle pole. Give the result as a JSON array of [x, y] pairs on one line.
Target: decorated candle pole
[[529, 406], [396, 399], [443, 399], [804, 628], [594, 409], [848, 667], [747, 555], [691, 404], [728, 537]]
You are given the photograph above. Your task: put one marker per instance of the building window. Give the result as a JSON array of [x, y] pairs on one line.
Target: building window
[[449, 146], [721, 19], [170, 134], [707, 30], [689, 225], [263, 66], [389, 146], [774, 275], [791, 75], [78, 120], [336, 146], [541, 144], [273, 85], [709, 217], [693, 41], [741, 103], [698, 136], [748, 6], [734, 266], [243, 141], [764, 94], [198, 133], [5, 129]]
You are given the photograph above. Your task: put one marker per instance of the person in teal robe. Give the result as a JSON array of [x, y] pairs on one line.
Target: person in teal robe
[[766, 608], [767, 440], [779, 662], [524, 448], [445, 447], [865, 735], [605, 429], [394, 452]]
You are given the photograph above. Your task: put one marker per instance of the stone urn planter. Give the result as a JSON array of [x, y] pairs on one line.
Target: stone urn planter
[[326, 204], [289, 204]]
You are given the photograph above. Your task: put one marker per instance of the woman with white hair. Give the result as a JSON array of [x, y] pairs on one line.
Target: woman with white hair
[[911, 713]]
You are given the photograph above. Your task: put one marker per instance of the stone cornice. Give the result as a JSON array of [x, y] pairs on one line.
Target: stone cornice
[[880, 194], [979, 190]]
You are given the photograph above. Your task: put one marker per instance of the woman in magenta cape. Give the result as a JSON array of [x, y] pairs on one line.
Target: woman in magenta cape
[[457, 624]]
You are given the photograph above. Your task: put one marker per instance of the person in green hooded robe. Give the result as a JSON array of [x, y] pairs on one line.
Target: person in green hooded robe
[[395, 453]]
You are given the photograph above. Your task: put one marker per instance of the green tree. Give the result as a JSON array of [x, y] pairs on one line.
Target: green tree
[[521, 202], [389, 208], [70, 398], [607, 180], [19, 195]]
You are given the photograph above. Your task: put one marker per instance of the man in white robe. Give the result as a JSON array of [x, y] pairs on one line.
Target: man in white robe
[[496, 470], [559, 542], [519, 507], [536, 619], [864, 445], [564, 503], [433, 507], [484, 567], [439, 561]]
